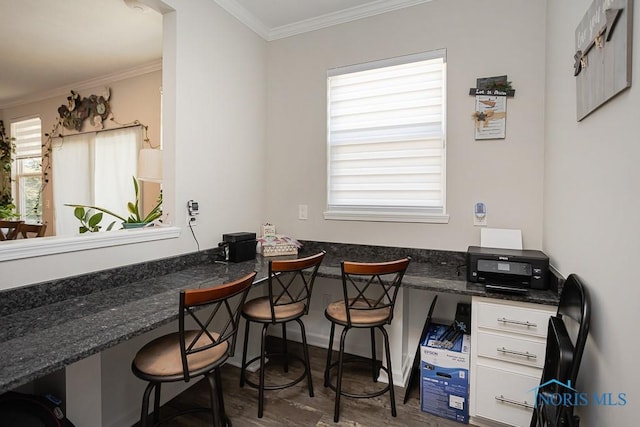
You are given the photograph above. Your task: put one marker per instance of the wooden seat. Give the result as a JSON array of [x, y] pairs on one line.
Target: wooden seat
[[290, 285], [369, 291], [9, 229], [26, 231], [190, 353]]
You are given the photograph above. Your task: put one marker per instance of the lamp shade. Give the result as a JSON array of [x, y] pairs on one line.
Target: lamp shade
[[150, 165]]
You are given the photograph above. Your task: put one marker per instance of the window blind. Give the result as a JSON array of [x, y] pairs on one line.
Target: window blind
[[386, 136], [28, 138]]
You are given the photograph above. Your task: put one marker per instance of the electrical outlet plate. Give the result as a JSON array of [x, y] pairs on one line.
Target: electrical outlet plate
[[192, 213]]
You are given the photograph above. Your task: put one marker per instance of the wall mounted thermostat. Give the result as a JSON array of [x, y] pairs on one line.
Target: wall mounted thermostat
[[480, 214]]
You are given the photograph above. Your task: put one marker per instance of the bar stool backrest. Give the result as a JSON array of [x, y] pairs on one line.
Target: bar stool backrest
[[216, 325], [291, 281], [372, 286]]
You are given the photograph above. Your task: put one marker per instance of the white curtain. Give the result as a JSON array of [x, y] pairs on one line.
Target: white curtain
[[94, 169]]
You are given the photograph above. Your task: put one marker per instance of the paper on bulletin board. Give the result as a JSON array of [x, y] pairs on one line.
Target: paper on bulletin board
[[491, 116], [501, 238]]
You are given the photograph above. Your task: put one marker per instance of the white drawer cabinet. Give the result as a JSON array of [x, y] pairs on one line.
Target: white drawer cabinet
[[508, 341]]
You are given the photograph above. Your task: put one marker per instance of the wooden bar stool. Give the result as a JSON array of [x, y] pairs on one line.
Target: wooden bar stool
[[190, 353], [369, 296], [290, 285]]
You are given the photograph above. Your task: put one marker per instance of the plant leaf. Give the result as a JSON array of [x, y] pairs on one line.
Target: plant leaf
[[95, 219], [78, 212], [83, 229], [108, 212], [111, 226]]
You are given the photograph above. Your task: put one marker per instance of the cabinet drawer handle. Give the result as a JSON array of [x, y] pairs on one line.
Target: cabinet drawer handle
[[517, 353], [503, 399], [517, 322]]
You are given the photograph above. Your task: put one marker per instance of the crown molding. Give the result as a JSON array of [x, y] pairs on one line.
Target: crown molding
[[246, 17], [323, 21], [86, 84], [341, 17]]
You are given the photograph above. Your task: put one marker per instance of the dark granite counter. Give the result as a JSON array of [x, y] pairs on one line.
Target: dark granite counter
[[49, 325]]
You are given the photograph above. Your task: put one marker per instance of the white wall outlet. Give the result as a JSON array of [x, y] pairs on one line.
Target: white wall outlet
[[303, 212], [480, 214]]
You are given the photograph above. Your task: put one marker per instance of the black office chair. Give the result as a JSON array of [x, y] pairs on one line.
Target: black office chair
[[369, 297], [197, 351], [566, 339]]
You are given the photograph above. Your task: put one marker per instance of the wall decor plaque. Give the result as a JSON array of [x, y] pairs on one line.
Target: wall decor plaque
[[602, 62]]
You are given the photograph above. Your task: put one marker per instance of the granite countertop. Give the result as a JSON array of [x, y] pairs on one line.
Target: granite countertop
[[40, 339]]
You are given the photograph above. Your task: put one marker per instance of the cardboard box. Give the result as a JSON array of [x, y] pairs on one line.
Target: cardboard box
[[444, 384]]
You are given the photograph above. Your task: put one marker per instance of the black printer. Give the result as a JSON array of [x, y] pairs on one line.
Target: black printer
[[508, 270]]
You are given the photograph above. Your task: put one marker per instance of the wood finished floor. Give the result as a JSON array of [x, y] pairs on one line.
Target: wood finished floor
[[293, 406]]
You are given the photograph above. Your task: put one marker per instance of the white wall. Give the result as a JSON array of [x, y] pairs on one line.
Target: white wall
[[591, 208], [482, 38], [214, 92]]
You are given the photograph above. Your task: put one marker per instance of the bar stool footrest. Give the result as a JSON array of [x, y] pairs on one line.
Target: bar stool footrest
[[271, 357], [333, 387]]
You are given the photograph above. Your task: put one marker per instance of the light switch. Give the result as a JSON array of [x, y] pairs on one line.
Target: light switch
[[303, 212]]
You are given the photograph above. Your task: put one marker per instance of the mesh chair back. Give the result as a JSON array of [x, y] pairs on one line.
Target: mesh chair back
[[224, 303]]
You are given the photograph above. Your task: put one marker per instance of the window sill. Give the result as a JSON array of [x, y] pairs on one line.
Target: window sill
[[27, 248], [386, 217]]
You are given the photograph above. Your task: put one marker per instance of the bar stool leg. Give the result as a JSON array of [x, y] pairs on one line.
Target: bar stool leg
[[144, 413], [307, 363], [374, 372], [285, 347], [243, 366], [218, 378], [329, 354], [156, 403], [336, 412], [389, 371], [263, 350], [214, 401]]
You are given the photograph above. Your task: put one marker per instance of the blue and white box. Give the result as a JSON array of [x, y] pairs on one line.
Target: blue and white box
[[444, 384]]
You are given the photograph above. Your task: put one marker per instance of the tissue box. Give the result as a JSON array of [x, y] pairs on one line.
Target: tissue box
[[444, 384], [278, 245]]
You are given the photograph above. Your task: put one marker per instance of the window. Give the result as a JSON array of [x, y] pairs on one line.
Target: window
[[27, 169], [386, 140], [94, 168]]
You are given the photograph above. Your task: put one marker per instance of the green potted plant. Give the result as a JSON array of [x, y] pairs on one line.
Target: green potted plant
[[89, 221], [7, 211]]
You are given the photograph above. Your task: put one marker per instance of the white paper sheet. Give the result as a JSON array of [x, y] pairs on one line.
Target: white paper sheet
[[500, 238]]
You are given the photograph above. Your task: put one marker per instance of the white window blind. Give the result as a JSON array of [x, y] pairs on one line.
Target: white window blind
[[28, 140], [26, 172], [386, 140]]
